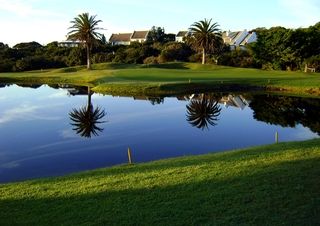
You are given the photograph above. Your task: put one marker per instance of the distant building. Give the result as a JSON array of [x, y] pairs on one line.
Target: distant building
[[239, 38], [69, 44], [128, 38], [139, 36], [181, 35], [120, 39]]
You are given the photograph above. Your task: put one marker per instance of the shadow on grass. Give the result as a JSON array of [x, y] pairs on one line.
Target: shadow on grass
[[280, 194]]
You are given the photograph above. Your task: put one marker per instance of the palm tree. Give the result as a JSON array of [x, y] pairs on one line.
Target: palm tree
[[203, 111], [86, 118], [84, 29], [207, 36]]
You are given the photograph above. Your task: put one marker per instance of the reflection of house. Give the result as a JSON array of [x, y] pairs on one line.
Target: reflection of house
[[69, 44], [234, 101], [230, 100], [181, 35], [72, 90], [75, 91], [128, 38], [239, 38]]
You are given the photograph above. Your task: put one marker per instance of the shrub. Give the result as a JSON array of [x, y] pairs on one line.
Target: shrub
[[196, 58], [238, 58], [174, 51], [151, 60]]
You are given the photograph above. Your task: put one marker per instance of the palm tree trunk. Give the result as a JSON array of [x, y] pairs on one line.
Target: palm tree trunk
[[88, 58], [203, 56], [89, 106]]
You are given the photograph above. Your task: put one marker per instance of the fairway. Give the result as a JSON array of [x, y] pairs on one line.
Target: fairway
[[172, 78]]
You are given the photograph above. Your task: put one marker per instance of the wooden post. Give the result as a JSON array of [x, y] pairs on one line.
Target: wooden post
[[277, 137], [129, 156]]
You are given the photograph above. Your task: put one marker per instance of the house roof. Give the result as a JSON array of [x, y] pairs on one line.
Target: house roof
[[139, 34], [120, 37], [182, 33]]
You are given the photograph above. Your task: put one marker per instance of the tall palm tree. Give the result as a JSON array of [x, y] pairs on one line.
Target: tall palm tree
[[207, 36], [86, 118], [84, 28], [203, 111]]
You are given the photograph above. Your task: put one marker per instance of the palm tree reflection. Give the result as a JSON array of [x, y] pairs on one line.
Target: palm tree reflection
[[203, 111], [85, 120]]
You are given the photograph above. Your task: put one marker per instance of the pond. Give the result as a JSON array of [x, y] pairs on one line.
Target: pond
[[58, 129]]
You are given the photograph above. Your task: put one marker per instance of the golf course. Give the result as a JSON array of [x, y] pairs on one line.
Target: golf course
[[276, 184]]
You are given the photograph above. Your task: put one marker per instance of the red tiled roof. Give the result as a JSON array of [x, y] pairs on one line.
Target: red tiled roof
[[121, 37], [140, 34]]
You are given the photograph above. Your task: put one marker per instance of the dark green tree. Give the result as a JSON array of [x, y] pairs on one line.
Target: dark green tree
[[156, 34]]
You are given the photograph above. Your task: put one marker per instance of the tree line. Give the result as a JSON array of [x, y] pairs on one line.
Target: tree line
[[277, 48]]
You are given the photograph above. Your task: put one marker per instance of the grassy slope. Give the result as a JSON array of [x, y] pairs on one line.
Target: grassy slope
[[269, 185], [170, 78]]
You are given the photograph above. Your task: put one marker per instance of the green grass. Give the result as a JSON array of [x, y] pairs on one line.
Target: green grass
[[172, 78], [267, 185]]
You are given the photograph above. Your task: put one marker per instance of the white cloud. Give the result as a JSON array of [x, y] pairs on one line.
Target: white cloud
[[23, 112], [68, 133]]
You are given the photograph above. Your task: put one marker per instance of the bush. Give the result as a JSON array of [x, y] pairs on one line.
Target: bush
[[196, 58], [237, 58], [174, 51], [7, 65], [102, 57], [151, 60], [37, 62]]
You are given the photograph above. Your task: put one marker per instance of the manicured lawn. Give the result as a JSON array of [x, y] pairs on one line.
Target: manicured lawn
[[171, 78], [268, 185]]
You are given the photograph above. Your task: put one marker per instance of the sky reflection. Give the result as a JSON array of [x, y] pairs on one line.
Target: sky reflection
[[38, 140]]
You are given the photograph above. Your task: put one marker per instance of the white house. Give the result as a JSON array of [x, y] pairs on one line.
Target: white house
[[139, 36], [181, 35], [120, 39], [128, 38], [239, 38], [69, 43]]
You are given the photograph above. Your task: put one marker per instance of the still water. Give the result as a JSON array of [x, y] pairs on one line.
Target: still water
[[49, 131]]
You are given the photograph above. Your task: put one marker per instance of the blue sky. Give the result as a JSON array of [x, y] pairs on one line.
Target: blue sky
[[48, 20]]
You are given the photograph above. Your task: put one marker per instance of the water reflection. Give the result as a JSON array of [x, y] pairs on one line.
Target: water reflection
[[86, 119], [153, 100], [33, 86], [156, 128], [287, 111], [203, 111]]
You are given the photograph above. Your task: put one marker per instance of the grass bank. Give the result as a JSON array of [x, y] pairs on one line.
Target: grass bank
[[267, 185], [172, 78]]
